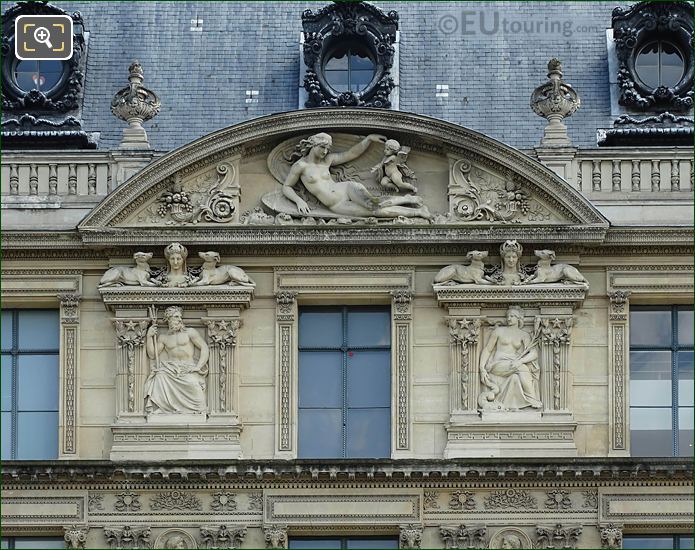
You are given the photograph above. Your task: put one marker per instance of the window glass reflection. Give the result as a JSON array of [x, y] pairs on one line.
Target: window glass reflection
[[650, 378], [650, 432], [649, 327], [652, 543]]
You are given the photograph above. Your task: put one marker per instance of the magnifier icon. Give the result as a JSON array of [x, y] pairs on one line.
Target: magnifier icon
[[43, 36]]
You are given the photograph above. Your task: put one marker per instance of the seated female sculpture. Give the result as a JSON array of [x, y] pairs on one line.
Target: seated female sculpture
[[509, 367]]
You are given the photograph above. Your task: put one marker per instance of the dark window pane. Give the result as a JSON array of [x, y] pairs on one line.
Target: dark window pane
[[650, 378], [685, 378], [685, 431], [338, 80], [320, 433], [671, 65], [301, 544], [686, 542], [320, 379], [369, 328], [369, 544], [369, 433], [320, 329], [369, 378], [6, 436], [37, 435], [6, 330], [38, 329], [6, 383], [360, 79], [650, 327], [651, 543], [651, 432], [647, 65], [39, 542], [361, 63], [37, 383], [685, 326]]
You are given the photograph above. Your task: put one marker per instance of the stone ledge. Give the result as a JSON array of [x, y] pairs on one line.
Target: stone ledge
[[555, 294], [204, 296]]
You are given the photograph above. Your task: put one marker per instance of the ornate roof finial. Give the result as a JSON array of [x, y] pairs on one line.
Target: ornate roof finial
[[135, 104], [555, 100]]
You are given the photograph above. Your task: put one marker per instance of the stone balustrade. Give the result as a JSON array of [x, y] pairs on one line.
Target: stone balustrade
[[661, 170]]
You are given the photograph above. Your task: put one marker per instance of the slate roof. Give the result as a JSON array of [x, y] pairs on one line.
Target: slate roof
[[202, 77]]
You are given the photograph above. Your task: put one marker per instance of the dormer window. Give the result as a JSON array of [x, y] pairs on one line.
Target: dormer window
[[655, 55], [349, 51], [44, 76]]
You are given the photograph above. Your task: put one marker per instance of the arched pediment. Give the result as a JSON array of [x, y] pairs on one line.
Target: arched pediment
[[436, 182]]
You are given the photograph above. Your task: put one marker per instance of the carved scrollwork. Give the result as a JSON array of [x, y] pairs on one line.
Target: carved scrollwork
[[558, 499], [464, 334], [611, 536], [128, 537], [175, 500], [223, 501], [223, 537], [559, 536], [410, 536], [127, 501], [510, 498], [462, 500], [462, 536], [75, 537], [131, 337]]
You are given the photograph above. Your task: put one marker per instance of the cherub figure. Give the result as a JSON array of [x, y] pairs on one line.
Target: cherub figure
[[393, 172]]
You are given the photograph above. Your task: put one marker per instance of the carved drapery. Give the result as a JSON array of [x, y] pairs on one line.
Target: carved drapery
[[69, 367], [555, 333], [465, 379], [222, 335], [618, 362], [402, 316], [285, 336]]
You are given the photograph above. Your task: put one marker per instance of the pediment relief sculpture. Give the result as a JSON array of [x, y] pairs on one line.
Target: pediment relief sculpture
[[510, 271], [176, 274], [321, 184]]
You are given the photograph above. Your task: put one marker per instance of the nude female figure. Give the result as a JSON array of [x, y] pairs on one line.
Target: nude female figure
[[349, 198]]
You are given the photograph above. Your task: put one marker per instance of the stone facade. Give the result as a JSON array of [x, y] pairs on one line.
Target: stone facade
[[509, 276]]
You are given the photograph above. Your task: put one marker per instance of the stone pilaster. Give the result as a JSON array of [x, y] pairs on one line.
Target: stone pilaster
[[618, 365], [286, 337], [401, 308], [69, 372]]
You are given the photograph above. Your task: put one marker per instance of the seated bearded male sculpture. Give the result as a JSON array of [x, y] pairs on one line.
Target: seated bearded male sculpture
[[176, 383]]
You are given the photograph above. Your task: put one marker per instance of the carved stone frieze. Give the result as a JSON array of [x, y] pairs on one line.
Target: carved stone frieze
[[429, 500], [611, 536], [222, 537], [463, 537], [558, 499], [559, 536], [410, 536], [275, 536], [590, 497], [175, 500], [510, 499], [462, 500], [127, 501], [128, 537], [256, 501], [75, 536], [95, 502], [223, 501]]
